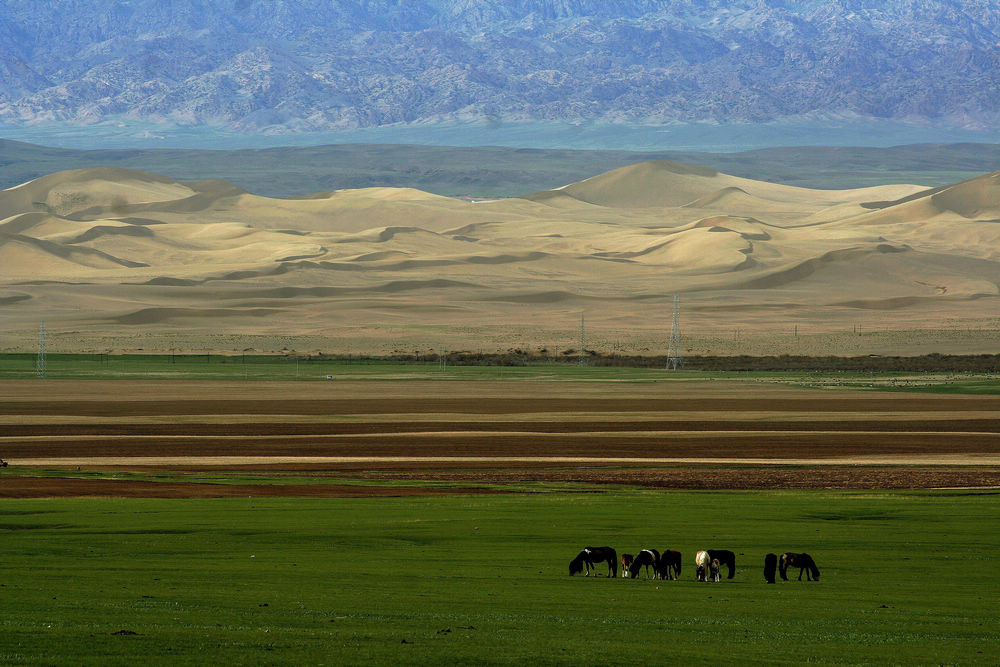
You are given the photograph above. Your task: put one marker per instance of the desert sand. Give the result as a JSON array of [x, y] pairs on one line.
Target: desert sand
[[118, 259]]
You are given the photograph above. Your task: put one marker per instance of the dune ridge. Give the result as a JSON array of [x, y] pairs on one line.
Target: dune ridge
[[115, 247]]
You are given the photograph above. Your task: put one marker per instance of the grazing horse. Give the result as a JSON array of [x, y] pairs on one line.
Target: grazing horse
[[706, 566], [590, 556], [804, 562], [647, 558], [727, 558], [770, 565], [627, 560], [701, 563], [670, 565]]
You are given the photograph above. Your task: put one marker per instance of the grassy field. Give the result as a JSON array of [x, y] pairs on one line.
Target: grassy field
[[271, 367], [906, 578]]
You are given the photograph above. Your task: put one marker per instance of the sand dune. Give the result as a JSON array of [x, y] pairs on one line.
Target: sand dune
[[100, 248], [67, 192]]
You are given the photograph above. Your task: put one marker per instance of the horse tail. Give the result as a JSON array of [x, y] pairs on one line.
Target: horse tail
[[678, 559], [783, 567], [613, 561], [727, 558]]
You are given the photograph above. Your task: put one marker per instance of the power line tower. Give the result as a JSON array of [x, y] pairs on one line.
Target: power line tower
[[40, 361], [674, 360], [583, 350]]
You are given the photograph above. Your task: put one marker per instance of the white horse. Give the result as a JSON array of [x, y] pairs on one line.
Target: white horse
[[706, 566]]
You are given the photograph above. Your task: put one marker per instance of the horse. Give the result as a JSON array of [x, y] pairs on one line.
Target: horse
[[804, 562], [590, 556], [627, 560], [701, 565], [727, 558], [670, 565], [706, 566], [770, 565], [646, 558]]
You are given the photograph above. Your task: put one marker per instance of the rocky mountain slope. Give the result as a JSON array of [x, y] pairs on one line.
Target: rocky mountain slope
[[268, 65]]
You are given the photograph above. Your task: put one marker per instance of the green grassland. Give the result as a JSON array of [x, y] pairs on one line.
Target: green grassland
[[271, 367], [906, 578], [257, 367]]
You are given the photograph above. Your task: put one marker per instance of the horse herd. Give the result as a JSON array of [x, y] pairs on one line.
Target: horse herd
[[708, 564]]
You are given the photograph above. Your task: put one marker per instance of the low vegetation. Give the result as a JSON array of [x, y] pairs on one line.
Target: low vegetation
[[934, 372], [494, 171], [906, 578]]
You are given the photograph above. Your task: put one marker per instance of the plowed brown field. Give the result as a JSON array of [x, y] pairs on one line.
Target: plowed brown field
[[741, 434]]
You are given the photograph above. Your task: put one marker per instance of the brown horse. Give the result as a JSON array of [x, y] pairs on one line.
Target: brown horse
[[804, 562], [590, 556], [627, 560]]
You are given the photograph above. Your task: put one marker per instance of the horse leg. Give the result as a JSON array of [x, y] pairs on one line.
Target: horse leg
[[801, 570]]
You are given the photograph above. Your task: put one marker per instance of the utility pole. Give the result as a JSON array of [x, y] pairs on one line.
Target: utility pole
[[583, 352], [40, 364], [674, 360]]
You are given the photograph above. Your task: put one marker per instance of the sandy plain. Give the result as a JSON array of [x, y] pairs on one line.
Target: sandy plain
[[125, 260], [676, 434]]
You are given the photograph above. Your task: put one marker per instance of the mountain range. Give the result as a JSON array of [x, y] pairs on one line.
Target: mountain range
[[277, 66]]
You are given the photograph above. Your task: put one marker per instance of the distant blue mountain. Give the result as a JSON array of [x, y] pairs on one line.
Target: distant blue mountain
[[278, 65]]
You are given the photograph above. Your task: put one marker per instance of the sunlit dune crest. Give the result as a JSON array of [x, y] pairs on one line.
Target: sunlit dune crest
[[102, 247]]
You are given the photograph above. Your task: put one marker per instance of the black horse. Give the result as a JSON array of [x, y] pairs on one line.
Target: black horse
[[727, 558], [804, 562], [647, 558], [590, 556], [669, 566], [770, 565]]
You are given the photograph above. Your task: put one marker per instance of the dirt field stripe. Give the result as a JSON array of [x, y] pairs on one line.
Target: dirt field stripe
[[419, 435], [506, 426], [118, 406], [903, 460]]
